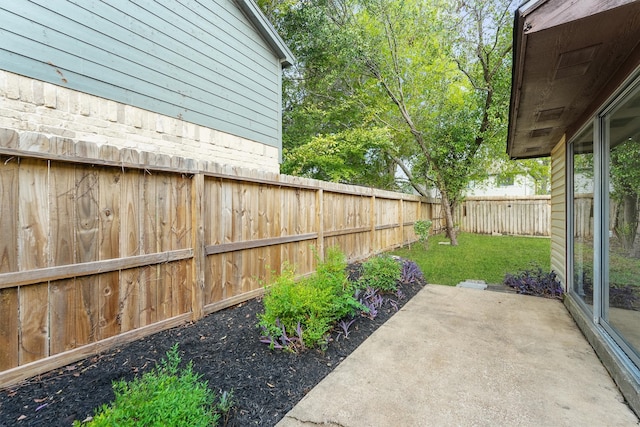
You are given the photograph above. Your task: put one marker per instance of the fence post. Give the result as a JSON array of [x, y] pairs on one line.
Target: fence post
[[197, 240], [374, 214], [320, 222], [401, 221]]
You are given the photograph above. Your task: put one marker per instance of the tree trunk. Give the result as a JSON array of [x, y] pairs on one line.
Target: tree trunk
[[448, 216], [627, 222]]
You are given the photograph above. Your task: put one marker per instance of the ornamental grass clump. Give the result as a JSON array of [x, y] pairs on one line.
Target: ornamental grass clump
[[299, 314], [165, 396]]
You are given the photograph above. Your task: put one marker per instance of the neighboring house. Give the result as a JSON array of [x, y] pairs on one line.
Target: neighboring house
[[576, 97], [197, 80], [497, 185]]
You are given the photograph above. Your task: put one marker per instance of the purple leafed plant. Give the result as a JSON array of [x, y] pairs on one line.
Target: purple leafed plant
[[372, 301], [284, 341], [411, 272], [623, 297], [535, 282], [345, 324]]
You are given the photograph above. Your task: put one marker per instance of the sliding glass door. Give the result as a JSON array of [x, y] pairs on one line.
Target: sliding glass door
[[582, 236], [621, 196], [604, 211]]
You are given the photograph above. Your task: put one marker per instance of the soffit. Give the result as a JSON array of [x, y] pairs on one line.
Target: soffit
[[565, 54]]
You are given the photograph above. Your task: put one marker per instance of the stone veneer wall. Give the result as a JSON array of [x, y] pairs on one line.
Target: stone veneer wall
[[35, 106]]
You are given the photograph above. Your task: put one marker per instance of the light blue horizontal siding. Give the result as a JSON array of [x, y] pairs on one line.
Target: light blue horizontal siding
[[202, 61]]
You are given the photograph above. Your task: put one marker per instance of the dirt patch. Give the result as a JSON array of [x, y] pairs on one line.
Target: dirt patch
[[224, 348]]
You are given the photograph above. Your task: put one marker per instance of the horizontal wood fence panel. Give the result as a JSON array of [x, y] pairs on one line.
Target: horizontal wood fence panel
[[259, 243], [95, 253], [9, 280]]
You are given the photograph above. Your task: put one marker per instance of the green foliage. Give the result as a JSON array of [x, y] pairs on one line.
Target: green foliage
[[422, 229], [387, 84], [310, 306], [165, 396], [353, 156], [381, 272]]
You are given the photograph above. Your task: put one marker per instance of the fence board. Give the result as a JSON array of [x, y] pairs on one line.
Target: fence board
[[109, 248], [34, 322], [8, 261], [129, 246], [62, 309], [177, 237], [164, 223], [9, 332], [33, 244], [150, 230], [86, 250], [8, 214], [32, 253], [62, 301]]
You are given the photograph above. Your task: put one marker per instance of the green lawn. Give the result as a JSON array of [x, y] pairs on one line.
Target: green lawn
[[479, 257]]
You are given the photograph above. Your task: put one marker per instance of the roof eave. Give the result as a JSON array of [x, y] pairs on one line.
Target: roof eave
[[267, 31]]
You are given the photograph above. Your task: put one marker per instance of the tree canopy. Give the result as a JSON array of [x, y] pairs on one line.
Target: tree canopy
[[396, 94]]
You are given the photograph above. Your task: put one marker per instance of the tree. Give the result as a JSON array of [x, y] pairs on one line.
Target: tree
[[454, 124], [625, 179], [327, 134], [399, 70]]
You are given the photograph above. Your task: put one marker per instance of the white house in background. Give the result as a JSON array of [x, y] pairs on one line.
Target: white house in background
[[497, 185]]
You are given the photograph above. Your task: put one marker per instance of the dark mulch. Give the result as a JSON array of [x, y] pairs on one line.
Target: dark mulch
[[223, 346]]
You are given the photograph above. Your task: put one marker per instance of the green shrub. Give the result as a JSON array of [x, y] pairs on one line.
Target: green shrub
[[422, 229], [381, 272], [301, 313], [165, 396]]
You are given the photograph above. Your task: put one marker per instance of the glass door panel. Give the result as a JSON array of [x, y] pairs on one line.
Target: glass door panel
[[583, 209], [621, 297]]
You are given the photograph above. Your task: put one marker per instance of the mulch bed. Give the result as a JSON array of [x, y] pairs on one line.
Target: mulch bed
[[224, 348]]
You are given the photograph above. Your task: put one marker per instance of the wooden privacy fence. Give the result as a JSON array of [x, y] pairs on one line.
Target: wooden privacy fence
[[514, 215], [583, 215], [100, 246]]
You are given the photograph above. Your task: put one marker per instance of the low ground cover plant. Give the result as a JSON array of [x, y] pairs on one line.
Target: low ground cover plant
[[535, 282], [301, 314], [165, 396]]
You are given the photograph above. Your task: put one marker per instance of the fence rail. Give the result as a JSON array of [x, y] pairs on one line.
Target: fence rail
[[95, 253]]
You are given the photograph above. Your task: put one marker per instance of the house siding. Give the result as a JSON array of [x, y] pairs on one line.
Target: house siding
[[200, 62], [558, 211], [33, 106]]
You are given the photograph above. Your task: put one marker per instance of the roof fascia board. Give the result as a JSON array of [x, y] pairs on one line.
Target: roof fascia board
[[529, 6], [267, 31], [520, 43]]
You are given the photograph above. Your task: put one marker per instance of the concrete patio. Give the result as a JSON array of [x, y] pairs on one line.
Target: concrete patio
[[466, 357]]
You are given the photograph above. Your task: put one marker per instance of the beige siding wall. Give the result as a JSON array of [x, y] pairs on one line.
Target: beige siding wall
[[28, 105], [558, 211]]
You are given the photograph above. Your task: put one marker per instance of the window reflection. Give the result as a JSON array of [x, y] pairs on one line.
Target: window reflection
[[583, 185], [623, 267]]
